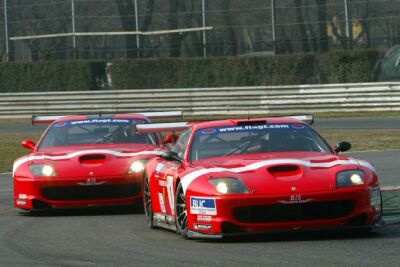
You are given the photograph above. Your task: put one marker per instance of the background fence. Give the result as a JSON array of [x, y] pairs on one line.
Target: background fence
[[210, 101], [111, 29]]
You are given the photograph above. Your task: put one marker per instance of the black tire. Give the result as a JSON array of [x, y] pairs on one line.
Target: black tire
[[148, 209], [180, 212]]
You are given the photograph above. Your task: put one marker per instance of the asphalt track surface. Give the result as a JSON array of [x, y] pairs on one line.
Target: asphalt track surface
[[120, 237]]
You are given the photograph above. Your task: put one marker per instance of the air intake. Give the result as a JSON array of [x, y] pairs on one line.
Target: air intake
[[92, 159], [284, 170]]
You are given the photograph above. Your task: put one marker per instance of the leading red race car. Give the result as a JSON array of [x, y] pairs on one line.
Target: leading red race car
[[86, 160], [247, 176]]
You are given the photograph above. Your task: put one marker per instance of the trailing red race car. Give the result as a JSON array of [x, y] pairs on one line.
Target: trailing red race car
[[258, 175], [86, 160]]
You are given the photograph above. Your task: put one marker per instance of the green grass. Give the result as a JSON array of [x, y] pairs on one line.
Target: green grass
[[362, 140], [11, 148]]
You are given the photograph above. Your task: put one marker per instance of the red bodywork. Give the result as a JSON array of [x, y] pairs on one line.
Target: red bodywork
[[85, 175], [287, 190]]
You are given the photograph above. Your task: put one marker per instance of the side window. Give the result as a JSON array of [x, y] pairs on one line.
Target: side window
[[180, 145]]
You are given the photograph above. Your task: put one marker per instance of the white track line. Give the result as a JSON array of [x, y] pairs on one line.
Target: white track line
[[373, 150], [390, 188]]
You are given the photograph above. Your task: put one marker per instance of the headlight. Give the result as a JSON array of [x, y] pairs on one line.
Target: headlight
[[42, 170], [229, 186], [136, 166], [349, 178]]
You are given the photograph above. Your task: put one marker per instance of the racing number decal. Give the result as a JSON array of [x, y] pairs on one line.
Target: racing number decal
[[166, 190], [171, 195]]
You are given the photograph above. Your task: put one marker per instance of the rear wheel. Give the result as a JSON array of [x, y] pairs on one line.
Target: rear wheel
[[181, 211], [148, 209]]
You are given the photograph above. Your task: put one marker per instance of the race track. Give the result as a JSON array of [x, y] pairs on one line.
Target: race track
[[120, 237]]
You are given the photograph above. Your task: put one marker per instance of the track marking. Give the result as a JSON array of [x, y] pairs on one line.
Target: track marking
[[390, 188], [373, 150]]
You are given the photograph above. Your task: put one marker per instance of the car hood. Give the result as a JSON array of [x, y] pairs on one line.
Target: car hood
[[96, 161], [279, 173]]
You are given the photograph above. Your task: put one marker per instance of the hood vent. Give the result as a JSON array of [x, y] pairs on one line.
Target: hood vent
[[92, 159], [284, 170]]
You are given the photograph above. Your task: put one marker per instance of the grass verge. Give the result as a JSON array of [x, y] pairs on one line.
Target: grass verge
[[362, 140], [11, 148]]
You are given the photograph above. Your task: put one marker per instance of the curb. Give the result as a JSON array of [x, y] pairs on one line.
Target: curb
[[392, 188], [389, 220]]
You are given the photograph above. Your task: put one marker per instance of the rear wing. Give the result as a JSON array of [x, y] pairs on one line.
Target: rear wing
[[307, 118], [180, 126], [48, 119], [162, 127]]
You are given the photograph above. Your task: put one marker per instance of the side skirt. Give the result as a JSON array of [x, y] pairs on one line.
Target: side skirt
[[164, 221]]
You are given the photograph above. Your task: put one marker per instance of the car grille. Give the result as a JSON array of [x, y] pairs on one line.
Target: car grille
[[91, 192], [294, 212]]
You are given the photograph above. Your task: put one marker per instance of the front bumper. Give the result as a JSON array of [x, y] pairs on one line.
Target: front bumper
[[66, 192], [199, 235], [307, 213]]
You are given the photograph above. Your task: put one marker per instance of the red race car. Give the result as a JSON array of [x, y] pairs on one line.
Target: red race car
[[86, 160], [257, 175]]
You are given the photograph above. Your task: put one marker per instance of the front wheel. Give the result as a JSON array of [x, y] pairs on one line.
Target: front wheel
[[180, 211], [148, 209]]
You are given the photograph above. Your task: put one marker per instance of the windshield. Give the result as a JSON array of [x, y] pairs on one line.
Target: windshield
[[95, 131], [247, 139]]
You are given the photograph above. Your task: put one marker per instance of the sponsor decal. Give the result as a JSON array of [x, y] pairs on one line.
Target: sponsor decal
[[209, 131], [162, 183], [202, 205], [21, 202], [202, 226], [59, 124], [99, 121], [295, 199], [159, 167], [246, 128], [204, 218], [170, 191], [162, 204], [91, 181], [298, 126]]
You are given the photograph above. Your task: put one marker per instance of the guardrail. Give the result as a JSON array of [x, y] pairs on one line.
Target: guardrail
[[209, 101]]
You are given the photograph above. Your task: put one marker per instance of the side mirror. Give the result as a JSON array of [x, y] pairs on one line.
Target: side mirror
[[171, 156], [170, 139], [29, 144], [342, 146]]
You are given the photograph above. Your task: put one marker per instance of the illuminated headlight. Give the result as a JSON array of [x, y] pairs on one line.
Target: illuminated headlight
[[136, 167], [349, 178], [229, 186], [42, 170]]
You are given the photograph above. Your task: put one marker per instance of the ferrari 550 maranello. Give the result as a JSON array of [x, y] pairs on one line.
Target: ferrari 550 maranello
[[88, 160], [258, 175]]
